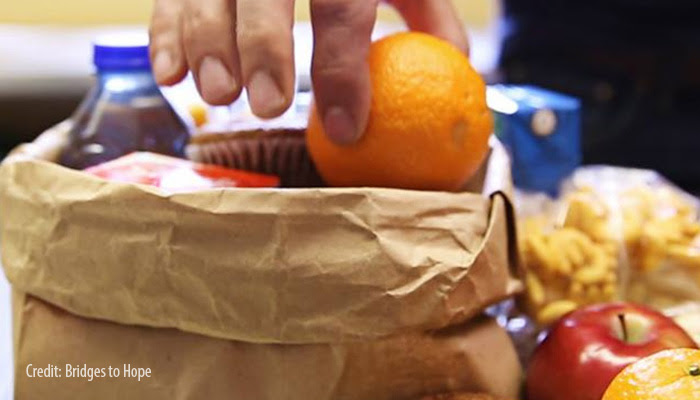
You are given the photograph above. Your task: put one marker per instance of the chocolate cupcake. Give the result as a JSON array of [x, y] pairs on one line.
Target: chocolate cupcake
[[275, 147]]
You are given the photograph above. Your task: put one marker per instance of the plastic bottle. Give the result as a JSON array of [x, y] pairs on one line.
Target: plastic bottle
[[125, 110]]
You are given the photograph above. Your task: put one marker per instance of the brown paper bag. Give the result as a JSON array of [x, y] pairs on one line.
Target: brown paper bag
[[475, 357], [336, 270]]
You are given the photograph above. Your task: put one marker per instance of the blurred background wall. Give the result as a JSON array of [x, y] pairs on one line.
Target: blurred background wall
[[95, 12]]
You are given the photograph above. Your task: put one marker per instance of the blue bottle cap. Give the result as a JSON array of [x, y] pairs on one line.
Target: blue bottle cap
[[123, 51]]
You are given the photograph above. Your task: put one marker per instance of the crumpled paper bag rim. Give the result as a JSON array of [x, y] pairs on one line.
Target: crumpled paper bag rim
[[42, 284]]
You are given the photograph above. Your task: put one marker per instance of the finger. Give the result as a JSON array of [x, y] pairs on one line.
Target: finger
[[167, 56], [340, 73], [210, 47], [436, 17], [266, 48]]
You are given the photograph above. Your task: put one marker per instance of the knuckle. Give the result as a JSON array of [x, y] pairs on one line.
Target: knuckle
[[338, 60], [333, 70], [344, 12], [332, 9], [264, 39], [159, 25], [161, 37], [200, 20], [204, 26], [255, 33], [334, 79], [337, 11], [163, 29]]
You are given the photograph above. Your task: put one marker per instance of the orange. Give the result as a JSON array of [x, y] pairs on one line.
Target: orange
[[669, 374], [428, 125]]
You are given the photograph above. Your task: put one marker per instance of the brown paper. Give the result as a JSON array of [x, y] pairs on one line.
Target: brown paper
[[477, 357], [256, 265], [279, 294]]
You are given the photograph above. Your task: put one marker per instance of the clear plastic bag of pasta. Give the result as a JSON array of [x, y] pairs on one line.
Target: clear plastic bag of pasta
[[572, 252], [660, 232], [614, 234]]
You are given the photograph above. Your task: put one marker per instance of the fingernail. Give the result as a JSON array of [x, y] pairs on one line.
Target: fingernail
[[340, 126], [162, 65], [266, 99], [215, 81]]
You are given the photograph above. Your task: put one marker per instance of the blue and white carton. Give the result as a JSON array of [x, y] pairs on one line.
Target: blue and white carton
[[541, 130]]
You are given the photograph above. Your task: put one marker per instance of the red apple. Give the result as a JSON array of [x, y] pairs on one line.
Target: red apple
[[587, 348]]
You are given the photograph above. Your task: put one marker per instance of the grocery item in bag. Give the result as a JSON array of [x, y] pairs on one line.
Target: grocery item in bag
[[125, 110], [274, 147], [177, 175]]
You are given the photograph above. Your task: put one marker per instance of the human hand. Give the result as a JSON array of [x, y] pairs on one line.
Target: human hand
[[231, 44]]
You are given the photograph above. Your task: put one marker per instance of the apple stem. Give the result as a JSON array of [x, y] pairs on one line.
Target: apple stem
[[694, 370], [623, 324]]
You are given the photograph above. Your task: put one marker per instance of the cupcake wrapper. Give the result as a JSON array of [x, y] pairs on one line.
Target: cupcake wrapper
[[281, 153]]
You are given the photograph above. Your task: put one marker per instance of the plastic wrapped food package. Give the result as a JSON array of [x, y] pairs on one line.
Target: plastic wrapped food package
[[614, 234], [175, 175], [571, 255]]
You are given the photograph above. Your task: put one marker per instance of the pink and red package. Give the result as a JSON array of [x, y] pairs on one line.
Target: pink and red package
[[177, 175]]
